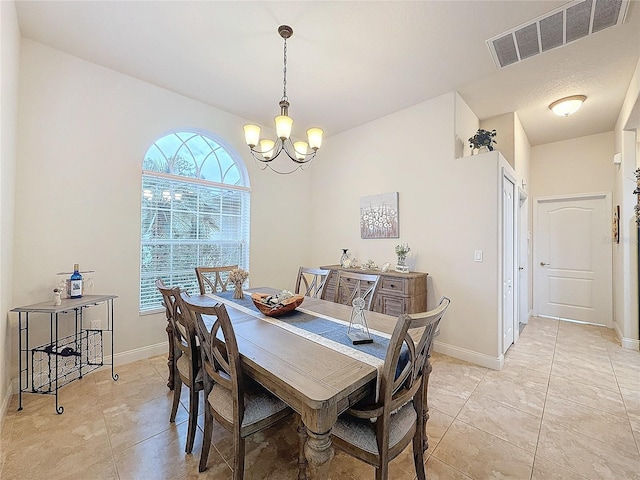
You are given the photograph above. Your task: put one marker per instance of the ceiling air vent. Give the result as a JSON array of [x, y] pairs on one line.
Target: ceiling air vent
[[555, 29]]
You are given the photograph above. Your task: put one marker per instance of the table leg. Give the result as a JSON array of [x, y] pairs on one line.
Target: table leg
[[319, 453], [302, 440]]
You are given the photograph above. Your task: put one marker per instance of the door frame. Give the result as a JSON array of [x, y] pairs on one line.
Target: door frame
[[577, 196], [524, 257]]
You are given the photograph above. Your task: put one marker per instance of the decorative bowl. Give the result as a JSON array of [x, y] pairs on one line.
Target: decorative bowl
[[287, 305]]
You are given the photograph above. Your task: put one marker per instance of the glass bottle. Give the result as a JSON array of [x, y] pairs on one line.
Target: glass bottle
[[76, 283]]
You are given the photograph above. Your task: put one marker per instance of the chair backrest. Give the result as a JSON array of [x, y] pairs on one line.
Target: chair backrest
[[167, 300], [219, 350], [214, 279], [411, 341], [311, 282], [350, 285], [184, 332]]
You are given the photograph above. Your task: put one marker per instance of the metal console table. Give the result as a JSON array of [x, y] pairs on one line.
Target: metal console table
[[47, 367]]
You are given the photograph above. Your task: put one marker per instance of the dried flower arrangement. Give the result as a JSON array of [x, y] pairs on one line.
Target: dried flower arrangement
[[237, 276]]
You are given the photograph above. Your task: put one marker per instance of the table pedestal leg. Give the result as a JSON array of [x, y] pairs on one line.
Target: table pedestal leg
[[302, 459], [319, 453]]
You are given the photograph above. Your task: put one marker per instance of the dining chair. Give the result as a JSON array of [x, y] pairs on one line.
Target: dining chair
[[186, 360], [377, 432], [350, 285], [169, 313], [311, 282], [239, 404], [214, 279]]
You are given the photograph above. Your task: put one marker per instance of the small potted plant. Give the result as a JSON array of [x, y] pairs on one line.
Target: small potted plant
[[483, 138], [401, 252]]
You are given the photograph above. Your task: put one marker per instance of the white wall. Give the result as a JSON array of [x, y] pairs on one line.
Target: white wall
[[83, 132], [466, 126], [505, 134], [625, 254], [444, 205], [578, 165], [9, 73]]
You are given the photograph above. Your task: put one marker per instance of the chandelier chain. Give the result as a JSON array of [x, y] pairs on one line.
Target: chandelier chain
[[284, 71]]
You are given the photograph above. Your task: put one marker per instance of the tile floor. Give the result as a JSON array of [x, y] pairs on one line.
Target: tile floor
[[565, 406]]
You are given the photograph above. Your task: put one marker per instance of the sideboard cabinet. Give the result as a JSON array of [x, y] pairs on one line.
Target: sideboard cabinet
[[399, 292]]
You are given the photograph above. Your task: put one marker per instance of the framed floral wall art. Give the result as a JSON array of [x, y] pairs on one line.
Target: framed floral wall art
[[379, 216]]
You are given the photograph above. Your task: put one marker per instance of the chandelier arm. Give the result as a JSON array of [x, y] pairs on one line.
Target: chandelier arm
[[297, 167], [277, 148], [307, 157]]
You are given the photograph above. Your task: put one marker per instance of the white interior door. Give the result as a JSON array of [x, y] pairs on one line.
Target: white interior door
[[508, 263], [573, 258]]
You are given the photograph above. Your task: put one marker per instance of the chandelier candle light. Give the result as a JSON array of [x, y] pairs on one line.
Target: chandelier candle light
[[300, 153]]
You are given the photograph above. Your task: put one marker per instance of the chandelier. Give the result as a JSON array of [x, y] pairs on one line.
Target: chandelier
[[265, 151]]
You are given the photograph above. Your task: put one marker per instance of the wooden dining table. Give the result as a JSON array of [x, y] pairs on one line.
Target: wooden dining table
[[317, 381]]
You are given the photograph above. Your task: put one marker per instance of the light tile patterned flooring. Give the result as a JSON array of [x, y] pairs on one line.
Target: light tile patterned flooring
[[565, 406]]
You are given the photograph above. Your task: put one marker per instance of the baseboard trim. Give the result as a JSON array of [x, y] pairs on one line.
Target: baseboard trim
[[136, 354], [494, 363], [630, 343]]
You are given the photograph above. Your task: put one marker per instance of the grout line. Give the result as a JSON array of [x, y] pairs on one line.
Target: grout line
[[544, 404]]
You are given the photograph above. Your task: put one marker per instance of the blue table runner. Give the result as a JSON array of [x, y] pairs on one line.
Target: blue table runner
[[328, 329]]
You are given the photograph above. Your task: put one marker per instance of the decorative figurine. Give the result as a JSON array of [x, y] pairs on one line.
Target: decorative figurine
[[358, 330], [57, 297], [344, 258]]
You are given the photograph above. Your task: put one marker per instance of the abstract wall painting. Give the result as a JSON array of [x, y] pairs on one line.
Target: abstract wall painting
[[379, 216]]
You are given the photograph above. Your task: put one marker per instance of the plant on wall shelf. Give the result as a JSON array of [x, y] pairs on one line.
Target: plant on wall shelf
[[483, 138]]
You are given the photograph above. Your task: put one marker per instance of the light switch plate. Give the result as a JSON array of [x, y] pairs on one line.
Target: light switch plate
[[478, 256]]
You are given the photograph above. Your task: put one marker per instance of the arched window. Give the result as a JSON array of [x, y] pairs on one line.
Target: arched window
[[195, 211]]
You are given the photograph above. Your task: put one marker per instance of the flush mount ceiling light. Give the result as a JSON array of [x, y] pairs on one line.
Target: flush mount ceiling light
[[300, 153], [568, 105]]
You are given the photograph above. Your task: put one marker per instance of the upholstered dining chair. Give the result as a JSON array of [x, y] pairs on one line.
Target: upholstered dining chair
[[377, 432], [311, 282], [350, 285], [239, 404], [186, 360], [214, 279]]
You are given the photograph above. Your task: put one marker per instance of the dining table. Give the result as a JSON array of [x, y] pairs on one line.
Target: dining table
[[306, 359]]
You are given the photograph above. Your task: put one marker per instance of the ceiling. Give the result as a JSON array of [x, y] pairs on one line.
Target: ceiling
[[349, 62]]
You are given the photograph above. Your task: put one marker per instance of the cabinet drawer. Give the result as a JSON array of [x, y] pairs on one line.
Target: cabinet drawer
[[392, 285], [394, 306]]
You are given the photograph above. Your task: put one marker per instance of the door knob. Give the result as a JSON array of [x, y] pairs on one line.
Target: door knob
[[520, 268], [542, 264]]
